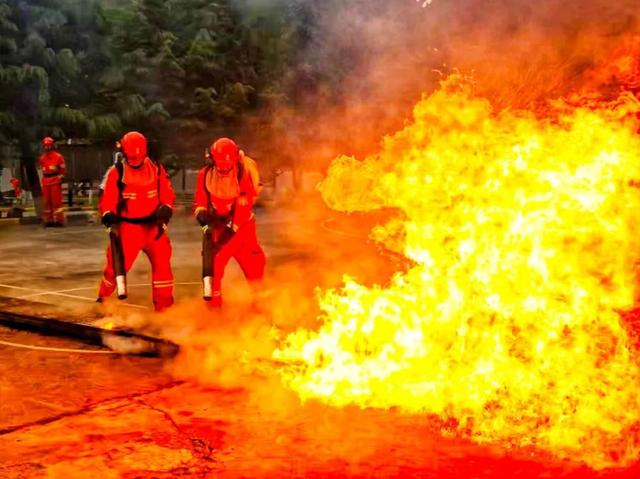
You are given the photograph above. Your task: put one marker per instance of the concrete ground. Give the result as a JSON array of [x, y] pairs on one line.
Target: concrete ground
[[68, 410], [56, 265]]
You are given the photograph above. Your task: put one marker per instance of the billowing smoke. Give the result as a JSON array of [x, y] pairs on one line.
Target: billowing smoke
[[365, 63]]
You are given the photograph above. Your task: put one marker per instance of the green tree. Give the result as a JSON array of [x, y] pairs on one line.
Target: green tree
[[180, 71], [51, 52]]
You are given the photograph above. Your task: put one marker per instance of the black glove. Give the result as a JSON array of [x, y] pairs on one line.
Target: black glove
[[203, 218], [226, 234], [109, 219], [164, 214]]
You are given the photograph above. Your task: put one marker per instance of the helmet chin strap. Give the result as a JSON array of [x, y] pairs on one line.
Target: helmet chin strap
[[224, 172], [135, 167]]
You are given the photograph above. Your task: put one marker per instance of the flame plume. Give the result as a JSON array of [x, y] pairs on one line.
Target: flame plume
[[523, 235]]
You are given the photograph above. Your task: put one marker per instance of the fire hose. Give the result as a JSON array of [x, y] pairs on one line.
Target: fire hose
[[56, 350], [117, 256], [210, 248], [207, 264], [120, 341]]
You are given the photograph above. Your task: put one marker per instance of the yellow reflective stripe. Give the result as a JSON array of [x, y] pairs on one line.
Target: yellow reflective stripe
[[162, 286], [167, 281], [198, 210]]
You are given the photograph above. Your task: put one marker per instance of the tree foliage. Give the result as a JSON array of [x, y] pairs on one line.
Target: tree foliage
[[177, 70]]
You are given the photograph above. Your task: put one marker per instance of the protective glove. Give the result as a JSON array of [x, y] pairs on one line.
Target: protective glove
[[164, 214], [109, 219], [203, 218], [227, 233]]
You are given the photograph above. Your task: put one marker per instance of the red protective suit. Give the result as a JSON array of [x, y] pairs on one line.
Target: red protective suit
[[231, 201], [144, 189], [53, 169]]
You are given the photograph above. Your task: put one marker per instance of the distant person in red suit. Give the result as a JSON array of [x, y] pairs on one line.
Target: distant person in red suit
[[53, 170]]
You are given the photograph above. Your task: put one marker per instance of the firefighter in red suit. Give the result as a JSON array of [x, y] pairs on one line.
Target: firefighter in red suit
[[226, 191], [138, 199], [53, 169]]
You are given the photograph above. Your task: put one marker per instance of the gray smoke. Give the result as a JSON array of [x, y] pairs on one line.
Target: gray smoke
[[365, 63]]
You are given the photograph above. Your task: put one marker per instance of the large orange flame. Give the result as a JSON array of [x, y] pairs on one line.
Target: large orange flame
[[524, 235]]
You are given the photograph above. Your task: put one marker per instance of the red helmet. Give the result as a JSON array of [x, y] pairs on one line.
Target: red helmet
[[134, 147], [47, 141], [225, 153]]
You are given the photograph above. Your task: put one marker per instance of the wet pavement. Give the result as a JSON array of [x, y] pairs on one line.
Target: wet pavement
[[57, 265], [75, 411]]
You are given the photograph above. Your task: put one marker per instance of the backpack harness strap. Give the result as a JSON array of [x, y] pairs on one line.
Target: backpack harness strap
[[229, 217], [122, 202]]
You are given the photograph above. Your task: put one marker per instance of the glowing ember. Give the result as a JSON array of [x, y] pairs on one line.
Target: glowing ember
[[523, 234]]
